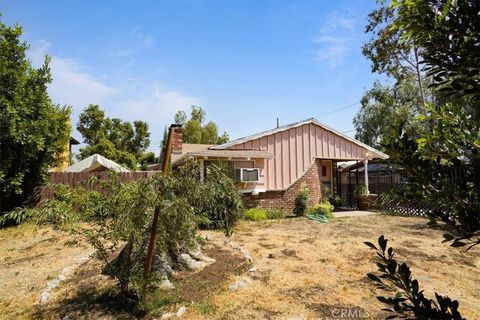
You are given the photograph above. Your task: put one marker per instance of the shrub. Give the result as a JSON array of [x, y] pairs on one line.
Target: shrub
[[301, 203], [322, 209], [255, 214], [275, 214], [409, 300], [336, 201], [361, 192], [121, 216]]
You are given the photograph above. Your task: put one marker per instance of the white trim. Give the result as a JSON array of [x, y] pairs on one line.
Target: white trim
[[378, 153], [258, 190]]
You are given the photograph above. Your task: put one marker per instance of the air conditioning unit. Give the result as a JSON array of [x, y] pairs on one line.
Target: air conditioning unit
[[247, 174]]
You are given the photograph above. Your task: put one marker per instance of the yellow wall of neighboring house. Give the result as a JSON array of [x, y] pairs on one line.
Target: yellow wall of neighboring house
[[65, 159], [65, 156]]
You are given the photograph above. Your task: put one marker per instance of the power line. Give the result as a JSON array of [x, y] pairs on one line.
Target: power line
[[340, 109], [349, 131]]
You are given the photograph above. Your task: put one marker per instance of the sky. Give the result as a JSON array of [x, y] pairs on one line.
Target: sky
[[246, 62]]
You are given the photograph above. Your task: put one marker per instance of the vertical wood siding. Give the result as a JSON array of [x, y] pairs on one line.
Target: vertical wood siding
[[295, 149]]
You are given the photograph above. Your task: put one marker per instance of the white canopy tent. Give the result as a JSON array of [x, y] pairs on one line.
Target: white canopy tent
[[96, 162]]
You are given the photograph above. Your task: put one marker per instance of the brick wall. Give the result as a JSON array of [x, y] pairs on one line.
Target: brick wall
[[286, 199], [177, 139]]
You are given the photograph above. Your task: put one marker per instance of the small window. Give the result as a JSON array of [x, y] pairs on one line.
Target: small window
[[324, 171]]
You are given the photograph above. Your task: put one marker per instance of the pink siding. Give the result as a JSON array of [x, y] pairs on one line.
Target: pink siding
[[294, 150]]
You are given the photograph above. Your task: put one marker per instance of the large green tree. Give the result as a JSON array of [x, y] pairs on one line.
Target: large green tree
[[121, 141], [384, 106], [443, 157], [195, 130], [33, 130]]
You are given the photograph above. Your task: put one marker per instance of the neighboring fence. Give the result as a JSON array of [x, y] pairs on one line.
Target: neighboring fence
[[76, 178], [386, 183]]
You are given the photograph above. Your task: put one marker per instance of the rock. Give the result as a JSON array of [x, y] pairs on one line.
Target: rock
[[66, 318], [242, 283], [272, 255], [166, 284], [53, 284], [61, 278], [181, 311], [168, 315], [252, 269], [82, 260], [44, 296], [190, 263], [201, 257]]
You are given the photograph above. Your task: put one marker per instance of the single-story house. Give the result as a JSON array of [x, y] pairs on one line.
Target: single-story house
[[271, 167]]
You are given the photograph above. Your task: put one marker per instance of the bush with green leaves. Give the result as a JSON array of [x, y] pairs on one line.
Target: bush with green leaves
[[121, 217], [301, 202], [409, 301], [255, 214], [33, 131], [322, 209], [275, 214]]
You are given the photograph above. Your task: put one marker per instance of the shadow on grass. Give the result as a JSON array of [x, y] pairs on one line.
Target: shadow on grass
[[105, 304]]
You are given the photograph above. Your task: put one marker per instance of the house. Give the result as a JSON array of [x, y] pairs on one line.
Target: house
[[271, 167], [66, 156]]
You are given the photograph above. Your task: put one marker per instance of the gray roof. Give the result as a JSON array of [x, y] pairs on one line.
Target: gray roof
[[376, 152]]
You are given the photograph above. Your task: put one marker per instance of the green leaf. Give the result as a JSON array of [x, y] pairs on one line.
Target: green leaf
[[371, 245]]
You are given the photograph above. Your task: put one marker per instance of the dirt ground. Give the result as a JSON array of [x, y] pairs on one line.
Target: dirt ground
[[29, 258], [305, 270], [310, 270]]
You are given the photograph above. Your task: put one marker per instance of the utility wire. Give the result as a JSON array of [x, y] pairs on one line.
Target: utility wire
[[340, 109]]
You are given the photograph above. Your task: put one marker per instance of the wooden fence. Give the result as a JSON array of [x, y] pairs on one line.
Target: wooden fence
[[76, 178]]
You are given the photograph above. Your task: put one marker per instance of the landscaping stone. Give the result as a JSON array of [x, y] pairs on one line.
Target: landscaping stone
[[166, 284], [181, 311], [242, 283], [168, 315], [197, 254], [44, 296], [190, 263]]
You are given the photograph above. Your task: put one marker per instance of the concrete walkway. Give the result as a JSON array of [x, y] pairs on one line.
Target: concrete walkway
[[341, 214]]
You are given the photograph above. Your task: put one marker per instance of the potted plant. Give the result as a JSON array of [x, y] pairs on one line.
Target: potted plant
[[361, 196]]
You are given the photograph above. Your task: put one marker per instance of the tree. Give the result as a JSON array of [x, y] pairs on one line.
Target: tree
[[194, 129], [388, 51], [449, 32], [34, 131], [115, 139], [383, 107]]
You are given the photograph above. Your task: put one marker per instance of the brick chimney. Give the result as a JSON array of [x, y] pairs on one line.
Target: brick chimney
[[177, 138]]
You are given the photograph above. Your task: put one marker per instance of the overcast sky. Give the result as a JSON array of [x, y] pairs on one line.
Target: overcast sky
[[245, 62]]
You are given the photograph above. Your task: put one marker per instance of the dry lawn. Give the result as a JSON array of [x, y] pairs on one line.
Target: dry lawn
[[29, 258], [305, 270], [316, 268]]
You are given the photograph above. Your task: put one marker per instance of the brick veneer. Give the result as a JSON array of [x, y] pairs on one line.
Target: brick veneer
[[286, 199], [177, 139]]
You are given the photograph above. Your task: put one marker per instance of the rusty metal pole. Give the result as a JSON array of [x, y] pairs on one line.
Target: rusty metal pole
[[156, 215]]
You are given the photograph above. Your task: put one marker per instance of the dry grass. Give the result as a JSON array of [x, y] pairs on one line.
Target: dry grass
[[29, 258], [319, 267], [305, 271]]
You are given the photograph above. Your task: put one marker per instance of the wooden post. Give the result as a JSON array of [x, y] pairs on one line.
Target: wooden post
[[156, 214]]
